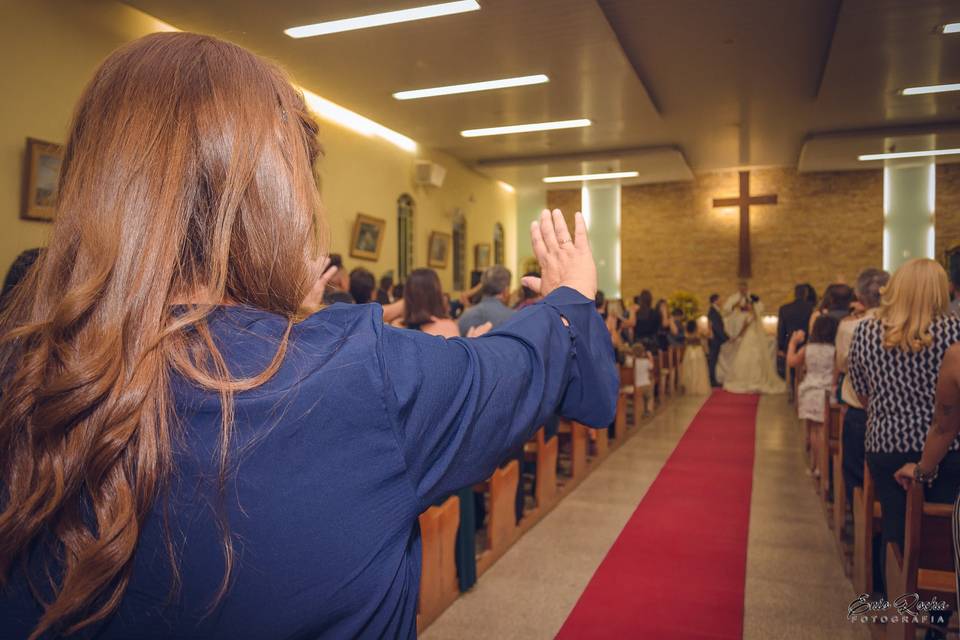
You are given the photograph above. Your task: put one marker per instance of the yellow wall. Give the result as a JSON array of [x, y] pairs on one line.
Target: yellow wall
[[50, 49]]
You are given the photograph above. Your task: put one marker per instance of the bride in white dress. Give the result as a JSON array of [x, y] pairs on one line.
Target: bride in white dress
[[751, 357]]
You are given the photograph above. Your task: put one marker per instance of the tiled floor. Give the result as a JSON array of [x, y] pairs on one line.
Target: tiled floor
[[795, 586]]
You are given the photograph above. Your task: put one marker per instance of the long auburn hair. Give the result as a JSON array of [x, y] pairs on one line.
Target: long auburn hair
[[917, 295], [187, 180], [423, 298]]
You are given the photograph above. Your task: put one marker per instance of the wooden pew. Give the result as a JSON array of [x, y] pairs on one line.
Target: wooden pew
[[578, 446], [601, 443], [829, 444], [502, 515], [839, 485], [544, 454], [925, 566], [626, 388], [866, 523], [438, 577]]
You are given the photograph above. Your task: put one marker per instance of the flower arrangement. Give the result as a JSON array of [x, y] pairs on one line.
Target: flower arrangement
[[686, 302]]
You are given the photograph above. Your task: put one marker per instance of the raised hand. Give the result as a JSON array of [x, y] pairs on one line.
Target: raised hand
[[564, 261]]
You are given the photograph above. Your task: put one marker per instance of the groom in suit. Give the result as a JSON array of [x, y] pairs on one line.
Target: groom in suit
[[718, 336]]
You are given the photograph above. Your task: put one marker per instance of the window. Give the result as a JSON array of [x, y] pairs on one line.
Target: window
[[405, 207], [459, 251], [498, 243]]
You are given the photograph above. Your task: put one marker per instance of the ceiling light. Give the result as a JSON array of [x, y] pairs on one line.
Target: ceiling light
[[953, 27], [486, 85], [506, 186], [908, 154], [934, 88], [593, 176], [526, 128], [380, 19], [354, 121]]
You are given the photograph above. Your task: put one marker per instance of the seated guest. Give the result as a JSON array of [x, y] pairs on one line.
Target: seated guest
[[384, 294], [836, 303], [869, 285], [894, 361], [424, 308], [817, 357], [397, 292], [492, 308], [362, 283], [187, 450]]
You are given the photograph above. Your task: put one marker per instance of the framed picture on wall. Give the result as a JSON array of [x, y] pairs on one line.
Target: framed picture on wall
[[367, 239], [41, 174], [481, 256], [438, 250]]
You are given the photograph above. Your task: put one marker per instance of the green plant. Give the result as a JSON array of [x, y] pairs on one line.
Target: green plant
[[686, 302]]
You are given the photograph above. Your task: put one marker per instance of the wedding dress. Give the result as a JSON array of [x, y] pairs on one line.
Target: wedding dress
[[752, 366]]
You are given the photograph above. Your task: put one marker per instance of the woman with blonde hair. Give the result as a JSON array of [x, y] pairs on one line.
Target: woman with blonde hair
[[186, 451], [894, 362]]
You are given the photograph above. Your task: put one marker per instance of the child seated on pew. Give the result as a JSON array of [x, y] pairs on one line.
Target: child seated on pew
[[817, 357], [642, 368]]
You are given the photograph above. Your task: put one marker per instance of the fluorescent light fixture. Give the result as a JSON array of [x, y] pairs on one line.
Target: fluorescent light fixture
[[953, 27], [593, 176], [908, 154], [526, 128], [355, 122], [486, 85], [506, 186], [380, 19], [933, 88]]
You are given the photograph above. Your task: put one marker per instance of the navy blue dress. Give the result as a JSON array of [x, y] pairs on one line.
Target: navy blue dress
[[363, 427]]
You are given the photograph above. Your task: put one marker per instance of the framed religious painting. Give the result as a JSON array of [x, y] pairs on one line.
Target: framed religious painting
[[367, 238], [481, 256], [438, 251], [41, 175]]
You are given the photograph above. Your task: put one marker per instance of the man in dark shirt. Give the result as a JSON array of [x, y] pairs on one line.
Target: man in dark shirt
[[718, 335], [794, 316]]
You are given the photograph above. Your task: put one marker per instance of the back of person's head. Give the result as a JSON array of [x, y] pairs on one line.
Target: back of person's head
[[398, 291], [870, 284], [676, 313], [600, 300], [386, 281], [639, 350], [18, 271], [186, 182], [691, 326], [424, 298], [837, 297], [362, 284], [811, 293], [334, 296], [495, 280], [918, 294], [645, 300], [714, 297], [336, 260], [824, 330], [800, 293]]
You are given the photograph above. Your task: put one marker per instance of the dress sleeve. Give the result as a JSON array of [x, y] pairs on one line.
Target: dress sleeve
[[856, 367], [462, 406]]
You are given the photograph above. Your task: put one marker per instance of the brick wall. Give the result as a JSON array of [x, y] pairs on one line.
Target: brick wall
[[947, 208]]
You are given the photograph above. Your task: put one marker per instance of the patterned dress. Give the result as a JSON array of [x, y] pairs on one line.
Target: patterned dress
[[812, 393]]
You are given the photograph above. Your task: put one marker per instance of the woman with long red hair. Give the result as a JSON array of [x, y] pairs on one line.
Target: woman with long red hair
[[186, 450]]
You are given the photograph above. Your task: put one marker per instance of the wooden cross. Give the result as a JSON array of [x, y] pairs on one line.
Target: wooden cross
[[744, 201]]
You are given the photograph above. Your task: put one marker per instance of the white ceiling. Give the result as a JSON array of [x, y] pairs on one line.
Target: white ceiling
[[671, 85]]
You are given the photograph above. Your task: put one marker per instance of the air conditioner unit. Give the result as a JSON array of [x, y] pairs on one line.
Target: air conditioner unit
[[429, 174]]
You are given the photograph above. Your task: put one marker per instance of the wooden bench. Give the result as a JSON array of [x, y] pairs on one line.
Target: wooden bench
[[438, 574], [577, 433], [501, 522], [925, 566], [866, 524], [839, 485], [601, 443], [829, 445], [544, 455]]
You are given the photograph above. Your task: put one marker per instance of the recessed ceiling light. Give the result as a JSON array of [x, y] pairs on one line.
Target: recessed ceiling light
[[355, 122], [908, 154], [953, 27], [593, 176], [486, 85], [934, 88], [380, 19], [506, 186], [526, 128]]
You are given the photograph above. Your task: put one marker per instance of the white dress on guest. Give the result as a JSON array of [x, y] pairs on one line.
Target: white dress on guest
[[812, 393], [694, 374]]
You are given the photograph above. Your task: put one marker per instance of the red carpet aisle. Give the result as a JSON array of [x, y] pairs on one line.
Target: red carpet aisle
[[678, 568]]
